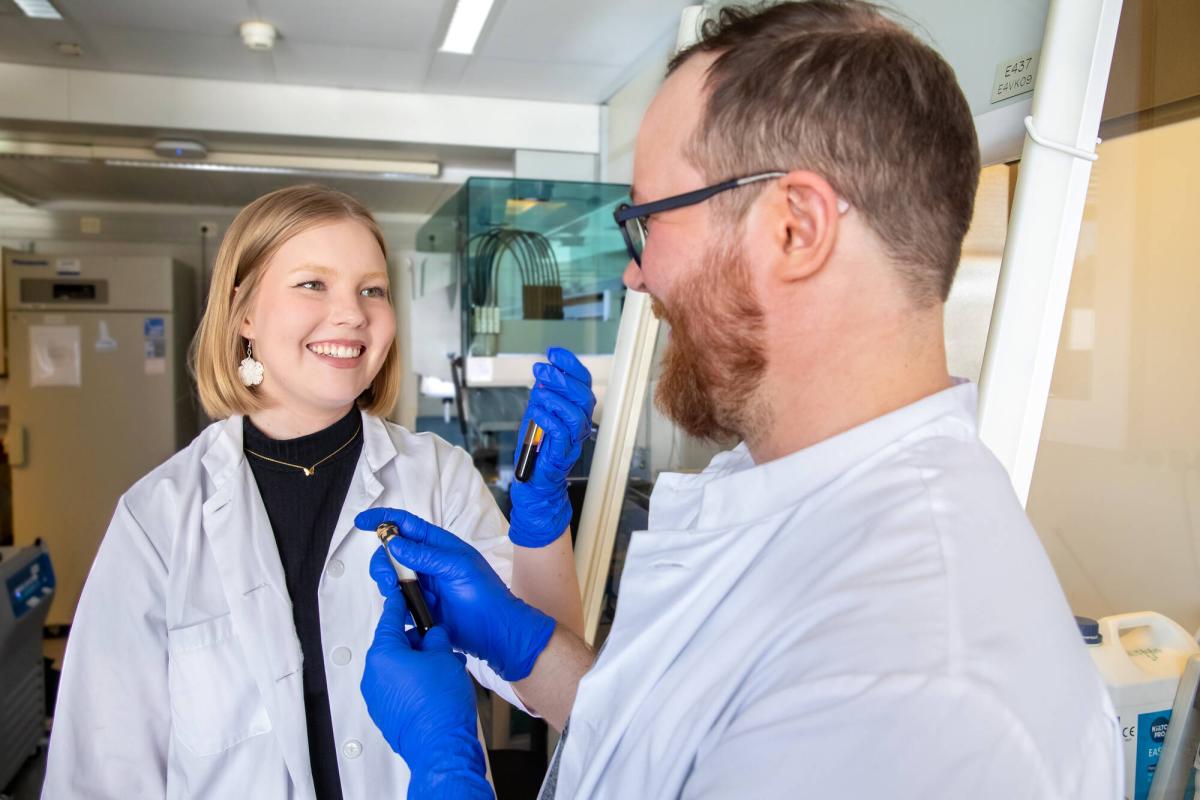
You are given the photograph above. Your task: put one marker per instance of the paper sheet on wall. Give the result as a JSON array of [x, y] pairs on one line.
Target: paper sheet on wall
[[54, 355]]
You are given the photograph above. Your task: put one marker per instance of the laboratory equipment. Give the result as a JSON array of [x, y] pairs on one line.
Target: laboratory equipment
[[522, 265], [1141, 657], [27, 579], [98, 394], [410, 588], [1174, 778], [536, 263]]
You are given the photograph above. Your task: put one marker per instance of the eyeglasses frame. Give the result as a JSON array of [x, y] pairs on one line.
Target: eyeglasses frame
[[626, 213]]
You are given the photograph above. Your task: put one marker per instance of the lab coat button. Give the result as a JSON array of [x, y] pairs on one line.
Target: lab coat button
[[336, 569], [352, 749], [341, 656]]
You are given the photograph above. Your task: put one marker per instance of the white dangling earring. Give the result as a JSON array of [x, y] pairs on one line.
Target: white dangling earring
[[250, 371]]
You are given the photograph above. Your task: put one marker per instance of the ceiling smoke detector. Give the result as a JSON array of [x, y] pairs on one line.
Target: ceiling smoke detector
[[258, 35]]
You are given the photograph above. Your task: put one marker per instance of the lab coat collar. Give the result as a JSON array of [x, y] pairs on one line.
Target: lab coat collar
[[733, 490], [243, 545], [225, 461]]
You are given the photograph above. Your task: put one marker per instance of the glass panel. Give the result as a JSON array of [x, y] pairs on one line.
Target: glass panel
[[530, 264], [539, 262], [1116, 488]]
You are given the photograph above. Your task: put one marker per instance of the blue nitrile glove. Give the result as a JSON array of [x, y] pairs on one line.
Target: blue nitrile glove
[[561, 403], [467, 597], [422, 700]]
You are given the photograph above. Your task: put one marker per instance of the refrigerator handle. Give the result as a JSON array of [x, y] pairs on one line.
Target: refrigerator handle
[[17, 445]]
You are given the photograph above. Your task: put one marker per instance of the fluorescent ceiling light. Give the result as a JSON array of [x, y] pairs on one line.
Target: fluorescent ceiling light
[[466, 25], [225, 161], [38, 9], [265, 169]]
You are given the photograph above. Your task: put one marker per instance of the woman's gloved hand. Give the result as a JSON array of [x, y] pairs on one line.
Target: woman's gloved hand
[[421, 698], [480, 615], [561, 403]]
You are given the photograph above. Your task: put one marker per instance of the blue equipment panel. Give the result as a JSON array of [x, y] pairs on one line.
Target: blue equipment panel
[[32, 584]]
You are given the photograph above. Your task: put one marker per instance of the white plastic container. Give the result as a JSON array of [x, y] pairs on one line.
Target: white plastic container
[[1141, 657]]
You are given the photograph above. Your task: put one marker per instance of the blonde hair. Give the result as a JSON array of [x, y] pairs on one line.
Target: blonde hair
[[256, 234]]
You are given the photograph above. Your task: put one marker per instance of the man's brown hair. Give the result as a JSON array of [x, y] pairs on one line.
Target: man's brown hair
[[836, 87]]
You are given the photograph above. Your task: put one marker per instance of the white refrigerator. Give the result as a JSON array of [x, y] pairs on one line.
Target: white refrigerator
[[98, 395]]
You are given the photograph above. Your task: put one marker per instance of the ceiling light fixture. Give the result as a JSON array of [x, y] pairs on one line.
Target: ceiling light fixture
[[71, 49], [38, 9], [259, 36], [224, 161], [466, 25]]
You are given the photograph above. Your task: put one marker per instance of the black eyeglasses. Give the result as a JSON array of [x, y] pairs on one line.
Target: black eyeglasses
[[632, 219]]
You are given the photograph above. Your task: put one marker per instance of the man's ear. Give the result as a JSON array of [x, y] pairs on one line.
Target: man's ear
[[804, 218]]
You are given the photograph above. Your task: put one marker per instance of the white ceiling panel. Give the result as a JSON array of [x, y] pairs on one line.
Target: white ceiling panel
[[579, 46], [183, 54], [615, 32], [407, 25], [345, 66], [535, 80], [28, 41], [203, 17]]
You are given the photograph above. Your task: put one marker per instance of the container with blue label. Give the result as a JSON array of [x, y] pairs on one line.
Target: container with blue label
[[1141, 657]]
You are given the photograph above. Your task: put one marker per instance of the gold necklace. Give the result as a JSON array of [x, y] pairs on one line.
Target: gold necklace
[[308, 471]]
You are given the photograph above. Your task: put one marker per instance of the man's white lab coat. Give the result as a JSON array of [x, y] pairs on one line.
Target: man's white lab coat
[[183, 672], [869, 617]]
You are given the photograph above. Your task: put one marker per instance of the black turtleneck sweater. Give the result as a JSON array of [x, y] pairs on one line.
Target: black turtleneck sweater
[[304, 511]]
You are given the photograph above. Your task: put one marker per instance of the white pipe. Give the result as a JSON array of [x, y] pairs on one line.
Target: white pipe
[[1039, 254]]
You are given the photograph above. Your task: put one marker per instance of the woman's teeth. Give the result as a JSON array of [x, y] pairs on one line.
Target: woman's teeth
[[336, 350]]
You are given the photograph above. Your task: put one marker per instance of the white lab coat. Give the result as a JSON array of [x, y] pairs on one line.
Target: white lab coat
[[870, 617], [182, 675]]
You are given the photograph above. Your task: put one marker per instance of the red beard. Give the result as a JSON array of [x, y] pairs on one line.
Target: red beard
[[716, 355]]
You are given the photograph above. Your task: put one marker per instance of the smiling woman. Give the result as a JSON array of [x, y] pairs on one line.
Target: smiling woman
[[301, 273], [230, 607]]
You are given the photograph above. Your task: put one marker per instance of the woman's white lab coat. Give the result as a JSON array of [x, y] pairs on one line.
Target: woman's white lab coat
[[183, 676]]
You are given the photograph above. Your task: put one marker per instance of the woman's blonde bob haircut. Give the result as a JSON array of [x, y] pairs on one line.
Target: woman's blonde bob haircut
[[256, 234]]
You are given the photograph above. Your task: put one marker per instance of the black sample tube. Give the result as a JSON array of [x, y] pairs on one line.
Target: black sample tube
[[530, 446], [410, 588]]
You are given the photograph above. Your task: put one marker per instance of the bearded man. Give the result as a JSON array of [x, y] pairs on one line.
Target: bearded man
[[851, 603]]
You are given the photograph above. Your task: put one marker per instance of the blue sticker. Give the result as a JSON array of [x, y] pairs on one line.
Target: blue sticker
[[31, 585], [1152, 732], [155, 328]]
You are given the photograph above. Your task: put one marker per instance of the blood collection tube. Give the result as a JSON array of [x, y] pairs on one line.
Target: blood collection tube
[[530, 446], [410, 588]]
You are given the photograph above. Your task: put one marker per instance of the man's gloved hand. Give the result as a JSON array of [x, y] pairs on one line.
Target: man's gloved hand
[[480, 614], [421, 699], [561, 403]]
